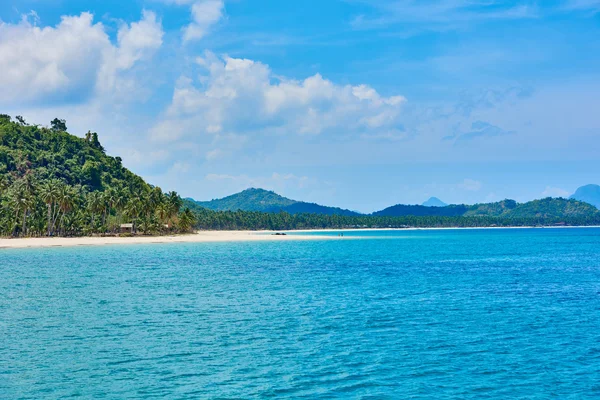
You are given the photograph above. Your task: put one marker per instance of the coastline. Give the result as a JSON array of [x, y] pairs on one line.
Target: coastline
[[199, 237], [224, 236]]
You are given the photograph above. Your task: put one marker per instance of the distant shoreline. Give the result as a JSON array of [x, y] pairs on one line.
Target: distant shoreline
[[223, 236]]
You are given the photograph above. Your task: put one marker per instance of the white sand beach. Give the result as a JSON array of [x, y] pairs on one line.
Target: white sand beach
[[199, 237]]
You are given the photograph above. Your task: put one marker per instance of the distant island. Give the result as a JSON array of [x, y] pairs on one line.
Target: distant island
[[588, 194], [434, 202], [53, 183]]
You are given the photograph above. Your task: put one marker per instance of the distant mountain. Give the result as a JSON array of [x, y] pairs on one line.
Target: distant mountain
[[434, 202], [589, 194], [268, 201], [547, 208]]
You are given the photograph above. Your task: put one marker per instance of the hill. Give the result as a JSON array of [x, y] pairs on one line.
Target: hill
[[544, 208], [434, 202], [55, 183], [268, 201], [589, 194]]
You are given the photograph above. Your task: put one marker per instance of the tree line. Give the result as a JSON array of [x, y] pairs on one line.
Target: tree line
[[56, 184]]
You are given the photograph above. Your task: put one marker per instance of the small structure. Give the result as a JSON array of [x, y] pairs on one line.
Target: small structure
[[126, 228]]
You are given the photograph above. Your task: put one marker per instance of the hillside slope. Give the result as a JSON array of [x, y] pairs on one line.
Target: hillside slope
[[268, 201], [53, 183], [544, 208]]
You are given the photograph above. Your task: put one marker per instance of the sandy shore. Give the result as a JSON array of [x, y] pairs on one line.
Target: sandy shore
[[200, 237]]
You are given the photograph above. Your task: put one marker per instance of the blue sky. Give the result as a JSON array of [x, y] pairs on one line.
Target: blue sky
[[354, 103]]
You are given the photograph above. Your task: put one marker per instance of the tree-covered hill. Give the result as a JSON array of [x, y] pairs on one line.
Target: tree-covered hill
[[54, 183], [268, 201], [544, 208]]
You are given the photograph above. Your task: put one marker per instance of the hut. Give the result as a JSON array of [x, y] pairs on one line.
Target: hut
[[126, 228]]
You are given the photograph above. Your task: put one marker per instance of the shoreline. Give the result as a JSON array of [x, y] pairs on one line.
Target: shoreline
[[199, 237], [224, 236]]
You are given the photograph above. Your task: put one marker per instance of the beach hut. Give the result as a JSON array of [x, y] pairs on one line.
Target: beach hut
[[126, 228]]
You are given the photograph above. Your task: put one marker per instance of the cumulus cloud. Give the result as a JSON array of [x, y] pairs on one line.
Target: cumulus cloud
[[470, 185], [205, 14], [555, 192], [72, 60], [276, 181], [240, 95]]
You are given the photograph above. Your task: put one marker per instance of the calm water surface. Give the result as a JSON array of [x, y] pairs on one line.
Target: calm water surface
[[422, 314]]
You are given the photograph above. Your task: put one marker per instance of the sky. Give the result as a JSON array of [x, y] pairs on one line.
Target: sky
[[360, 104]]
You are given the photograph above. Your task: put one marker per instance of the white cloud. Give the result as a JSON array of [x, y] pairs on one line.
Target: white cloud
[[470, 185], [205, 13], [72, 60], [555, 192], [275, 182], [583, 5], [243, 96]]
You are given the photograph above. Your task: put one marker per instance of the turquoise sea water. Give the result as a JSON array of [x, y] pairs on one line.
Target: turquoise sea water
[[456, 314]]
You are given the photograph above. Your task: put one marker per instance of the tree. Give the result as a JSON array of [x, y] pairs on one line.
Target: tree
[[133, 209], [95, 142], [58, 125], [187, 220], [49, 192]]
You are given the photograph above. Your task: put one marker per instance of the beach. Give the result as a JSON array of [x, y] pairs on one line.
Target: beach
[[199, 237]]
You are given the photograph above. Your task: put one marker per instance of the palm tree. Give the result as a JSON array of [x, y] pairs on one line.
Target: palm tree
[[187, 219], [21, 201], [133, 209], [109, 199], [66, 199], [94, 204], [162, 212], [119, 203], [49, 195], [174, 203]]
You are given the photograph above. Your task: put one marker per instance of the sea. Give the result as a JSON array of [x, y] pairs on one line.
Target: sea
[[422, 314]]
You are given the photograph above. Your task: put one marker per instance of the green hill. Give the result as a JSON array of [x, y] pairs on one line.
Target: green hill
[[270, 202], [54, 183], [544, 208]]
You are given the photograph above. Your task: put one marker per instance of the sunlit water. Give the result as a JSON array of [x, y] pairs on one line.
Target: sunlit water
[[409, 314]]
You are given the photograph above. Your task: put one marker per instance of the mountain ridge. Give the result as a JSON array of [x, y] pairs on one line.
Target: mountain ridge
[[256, 199], [261, 200]]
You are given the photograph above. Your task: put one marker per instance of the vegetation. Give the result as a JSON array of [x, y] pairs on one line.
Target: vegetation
[[254, 220], [54, 183], [557, 208], [271, 202]]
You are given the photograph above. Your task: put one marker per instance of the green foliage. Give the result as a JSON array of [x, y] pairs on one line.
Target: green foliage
[[545, 208], [59, 125], [254, 220], [268, 201], [53, 183]]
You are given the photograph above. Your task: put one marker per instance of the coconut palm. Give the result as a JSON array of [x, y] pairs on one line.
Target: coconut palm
[[187, 220], [133, 210], [21, 202], [174, 203], [67, 198], [49, 195], [94, 204]]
